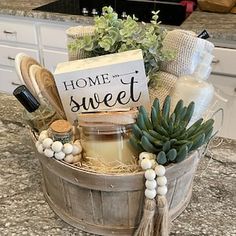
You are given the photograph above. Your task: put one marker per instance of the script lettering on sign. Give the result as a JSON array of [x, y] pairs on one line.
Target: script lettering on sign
[[104, 83]]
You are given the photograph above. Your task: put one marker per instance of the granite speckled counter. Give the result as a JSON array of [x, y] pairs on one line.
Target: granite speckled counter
[[222, 27], [23, 210]]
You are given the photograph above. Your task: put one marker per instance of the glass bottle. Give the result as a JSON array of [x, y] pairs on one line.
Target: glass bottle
[[37, 116], [61, 130]]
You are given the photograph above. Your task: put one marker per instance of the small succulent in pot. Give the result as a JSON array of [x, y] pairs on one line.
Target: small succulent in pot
[[168, 135], [112, 35]]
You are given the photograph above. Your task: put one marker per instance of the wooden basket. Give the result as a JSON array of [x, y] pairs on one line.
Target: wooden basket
[[110, 204]]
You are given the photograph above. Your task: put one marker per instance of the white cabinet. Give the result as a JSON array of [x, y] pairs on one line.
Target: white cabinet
[[8, 53], [224, 80], [44, 40], [54, 35], [52, 58], [9, 80], [17, 31]]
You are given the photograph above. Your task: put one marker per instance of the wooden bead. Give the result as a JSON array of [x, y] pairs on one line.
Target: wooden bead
[[67, 148], [150, 193], [69, 158], [47, 142], [48, 152], [151, 184], [59, 155], [150, 174], [146, 164], [77, 158], [160, 170], [57, 146], [77, 149], [162, 190], [161, 181]]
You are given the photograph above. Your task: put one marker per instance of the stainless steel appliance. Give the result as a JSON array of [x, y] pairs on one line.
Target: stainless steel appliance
[[171, 12]]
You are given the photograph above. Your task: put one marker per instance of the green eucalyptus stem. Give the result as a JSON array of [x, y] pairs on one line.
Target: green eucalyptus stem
[[114, 35]]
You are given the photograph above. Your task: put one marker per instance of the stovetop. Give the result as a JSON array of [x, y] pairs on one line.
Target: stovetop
[[171, 12]]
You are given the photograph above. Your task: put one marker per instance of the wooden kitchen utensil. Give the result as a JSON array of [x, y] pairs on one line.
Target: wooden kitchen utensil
[[25, 64], [48, 89]]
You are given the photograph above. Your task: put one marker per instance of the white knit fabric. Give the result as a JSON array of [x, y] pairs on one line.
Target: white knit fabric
[[188, 48], [74, 33], [165, 83]]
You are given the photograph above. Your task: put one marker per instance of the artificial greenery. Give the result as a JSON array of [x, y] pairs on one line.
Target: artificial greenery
[[116, 35]]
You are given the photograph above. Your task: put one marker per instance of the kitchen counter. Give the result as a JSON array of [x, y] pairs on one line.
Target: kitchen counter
[[23, 210], [222, 27]]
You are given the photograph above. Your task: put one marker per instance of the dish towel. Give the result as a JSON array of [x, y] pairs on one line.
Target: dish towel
[[189, 50], [164, 85]]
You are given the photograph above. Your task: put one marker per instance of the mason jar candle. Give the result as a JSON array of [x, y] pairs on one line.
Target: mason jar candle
[[108, 142]]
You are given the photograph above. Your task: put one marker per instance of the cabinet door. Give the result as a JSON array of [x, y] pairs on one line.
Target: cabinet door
[[52, 58], [224, 61], [54, 36], [9, 80], [225, 87]]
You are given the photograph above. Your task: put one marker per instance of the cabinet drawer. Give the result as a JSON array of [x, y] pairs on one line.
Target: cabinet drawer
[[224, 61], [7, 54], [17, 32], [9, 81], [226, 84], [54, 36], [52, 58]]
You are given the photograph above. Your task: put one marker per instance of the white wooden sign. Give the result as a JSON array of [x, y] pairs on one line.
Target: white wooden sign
[[103, 83]]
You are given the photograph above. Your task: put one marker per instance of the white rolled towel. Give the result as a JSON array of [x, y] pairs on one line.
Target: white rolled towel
[[165, 83], [189, 50]]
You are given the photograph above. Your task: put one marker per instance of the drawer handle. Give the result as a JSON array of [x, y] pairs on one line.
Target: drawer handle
[[11, 58], [16, 84], [9, 32], [216, 61]]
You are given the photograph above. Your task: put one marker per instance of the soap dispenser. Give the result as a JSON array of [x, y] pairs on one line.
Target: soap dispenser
[[194, 88]]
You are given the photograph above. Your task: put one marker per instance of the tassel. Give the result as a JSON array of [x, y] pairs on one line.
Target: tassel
[[162, 220], [146, 226]]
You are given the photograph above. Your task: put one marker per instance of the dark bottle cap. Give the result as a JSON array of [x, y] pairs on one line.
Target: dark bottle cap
[[26, 98]]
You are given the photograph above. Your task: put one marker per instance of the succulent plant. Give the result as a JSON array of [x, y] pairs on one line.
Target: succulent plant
[[168, 135], [114, 35]]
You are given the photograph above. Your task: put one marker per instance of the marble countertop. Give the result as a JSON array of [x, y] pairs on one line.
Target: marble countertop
[[23, 210], [222, 27]]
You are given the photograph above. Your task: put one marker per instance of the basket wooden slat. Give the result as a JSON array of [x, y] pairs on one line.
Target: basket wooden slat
[[110, 204]]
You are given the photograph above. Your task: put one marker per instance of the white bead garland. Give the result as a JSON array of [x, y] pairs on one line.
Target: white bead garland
[[48, 152], [67, 148], [146, 155], [59, 155], [150, 193], [71, 153], [151, 184], [155, 175], [150, 174], [146, 164], [47, 142], [162, 190], [161, 181], [160, 170], [57, 146]]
